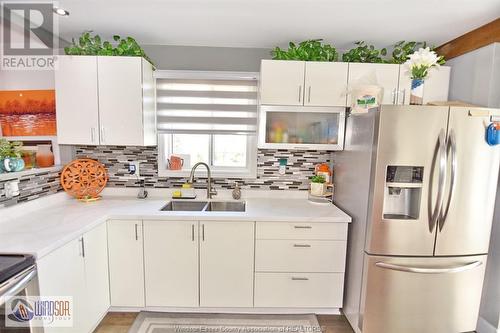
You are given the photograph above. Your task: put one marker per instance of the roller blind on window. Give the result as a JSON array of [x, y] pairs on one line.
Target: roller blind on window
[[206, 102]]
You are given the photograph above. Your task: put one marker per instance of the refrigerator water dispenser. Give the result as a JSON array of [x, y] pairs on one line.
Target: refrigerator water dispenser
[[402, 193]]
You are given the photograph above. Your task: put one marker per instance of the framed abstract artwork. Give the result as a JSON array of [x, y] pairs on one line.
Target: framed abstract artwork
[[27, 113]]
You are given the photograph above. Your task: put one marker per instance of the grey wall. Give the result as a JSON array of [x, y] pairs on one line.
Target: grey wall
[[206, 58], [475, 78]]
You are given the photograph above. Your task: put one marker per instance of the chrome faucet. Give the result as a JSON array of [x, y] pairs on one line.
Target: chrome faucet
[[210, 191]]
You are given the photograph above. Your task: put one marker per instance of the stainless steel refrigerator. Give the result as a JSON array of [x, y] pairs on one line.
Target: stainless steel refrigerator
[[420, 183]]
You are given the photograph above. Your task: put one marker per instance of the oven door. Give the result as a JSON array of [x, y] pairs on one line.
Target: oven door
[[15, 286]]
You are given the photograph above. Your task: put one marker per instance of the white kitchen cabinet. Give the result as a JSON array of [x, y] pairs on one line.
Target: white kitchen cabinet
[[304, 290], [126, 266], [282, 82], [77, 100], [226, 264], [325, 83], [171, 263], [385, 75], [105, 101], [123, 110], [62, 273], [314, 83], [95, 252], [78, 269], [436, 86]]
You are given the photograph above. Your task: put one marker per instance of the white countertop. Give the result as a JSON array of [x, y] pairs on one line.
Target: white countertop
[[45, 224]]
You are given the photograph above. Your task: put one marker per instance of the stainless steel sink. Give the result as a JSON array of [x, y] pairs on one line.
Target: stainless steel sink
[[226, 206], [184, 206], [204, 206]]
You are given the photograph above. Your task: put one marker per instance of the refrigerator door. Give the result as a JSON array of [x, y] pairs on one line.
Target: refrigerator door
[[422, 295], [408, 136], [464, 228]]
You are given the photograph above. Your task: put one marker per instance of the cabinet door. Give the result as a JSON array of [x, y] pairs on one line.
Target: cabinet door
[[385, 75], [326, 84], [61, 273], [226, 264], [120, 100], [436, 86], [126, 269], [282, 82], [76, 100], [96, 276], [171, 263]]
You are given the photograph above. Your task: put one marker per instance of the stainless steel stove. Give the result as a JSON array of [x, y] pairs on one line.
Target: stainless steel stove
[[16, 274]]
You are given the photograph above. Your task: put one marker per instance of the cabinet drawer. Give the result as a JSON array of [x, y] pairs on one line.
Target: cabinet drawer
[[298, 230], [299, 290], [300, 256]]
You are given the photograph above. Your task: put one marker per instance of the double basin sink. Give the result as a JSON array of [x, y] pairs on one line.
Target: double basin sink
[[205, 206]]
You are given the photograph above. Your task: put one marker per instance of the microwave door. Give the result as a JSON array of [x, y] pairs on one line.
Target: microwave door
[[466, 218], [408, 180]]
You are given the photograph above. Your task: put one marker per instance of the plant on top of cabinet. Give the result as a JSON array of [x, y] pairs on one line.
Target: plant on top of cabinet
[[403, 50], [93, 45], [309, 50], [364, 53]]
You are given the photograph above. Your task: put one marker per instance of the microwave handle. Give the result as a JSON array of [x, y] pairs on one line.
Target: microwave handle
[[19, 282]]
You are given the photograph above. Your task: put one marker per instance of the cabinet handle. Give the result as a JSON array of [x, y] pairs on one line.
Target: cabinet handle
[[103, 136], [394, 96], [82, 247], [92, 134], [404, 96], [136, 232], [309, 95], [302, 227], [299, 278], [301, 245], [192, 232], [300, 94], [203, 232]]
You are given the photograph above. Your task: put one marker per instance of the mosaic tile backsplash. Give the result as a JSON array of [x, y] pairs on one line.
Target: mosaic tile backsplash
[[300, 167], [32, 187]]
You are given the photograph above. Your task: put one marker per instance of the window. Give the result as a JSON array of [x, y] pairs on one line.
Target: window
[[207, 117]]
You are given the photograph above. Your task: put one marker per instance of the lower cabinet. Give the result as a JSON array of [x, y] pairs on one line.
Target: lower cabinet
[[288, 290], [171, 263], [126, 265], [78, 269], [226, 264]]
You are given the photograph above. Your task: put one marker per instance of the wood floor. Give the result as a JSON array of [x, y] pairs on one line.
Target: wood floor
[[120, 322]]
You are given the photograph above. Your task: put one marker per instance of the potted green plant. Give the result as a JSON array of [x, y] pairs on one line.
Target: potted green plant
[[88, 44], [10, 156], [318, 185], [308, 50]]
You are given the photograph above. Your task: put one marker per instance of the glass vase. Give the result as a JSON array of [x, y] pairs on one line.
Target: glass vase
[[417, 92]]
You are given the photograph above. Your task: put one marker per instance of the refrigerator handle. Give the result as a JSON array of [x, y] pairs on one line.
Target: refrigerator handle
[[441, 180], [452, 149], [426, 270]]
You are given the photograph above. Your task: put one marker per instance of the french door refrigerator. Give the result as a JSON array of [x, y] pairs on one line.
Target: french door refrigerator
[[420, 184]]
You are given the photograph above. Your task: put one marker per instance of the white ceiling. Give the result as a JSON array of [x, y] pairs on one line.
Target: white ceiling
[[266, 23]]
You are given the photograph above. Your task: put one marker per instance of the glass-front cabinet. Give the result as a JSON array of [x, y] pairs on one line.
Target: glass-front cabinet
[[297, 127]]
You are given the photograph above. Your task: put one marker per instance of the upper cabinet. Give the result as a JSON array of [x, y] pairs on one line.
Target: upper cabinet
[[303, 83], [105, 101], [77, 100], [282, 82], [385, 75], [436, 86], [325, 83]]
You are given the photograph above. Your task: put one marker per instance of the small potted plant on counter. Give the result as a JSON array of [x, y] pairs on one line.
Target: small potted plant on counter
[[318, 185], [10, 156]]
